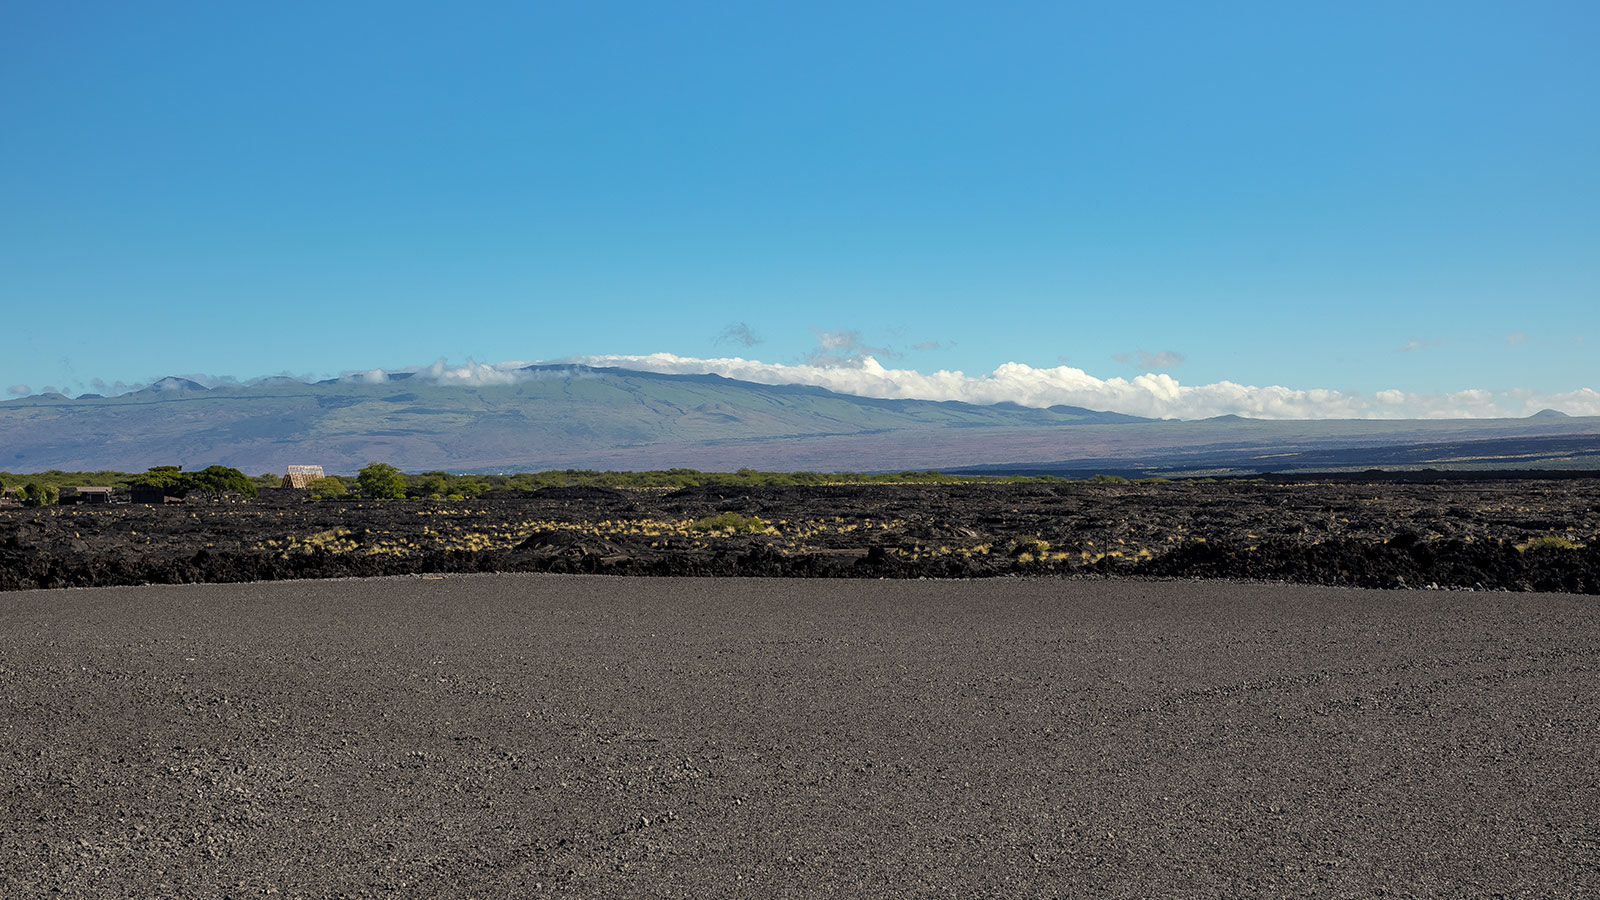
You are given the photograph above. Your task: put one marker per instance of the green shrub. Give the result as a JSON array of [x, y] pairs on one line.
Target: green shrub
[[1108, 479], [729, 522], [328, 488], [36, 494]]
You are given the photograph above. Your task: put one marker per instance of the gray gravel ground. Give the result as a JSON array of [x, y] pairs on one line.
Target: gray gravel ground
[[517, 736]]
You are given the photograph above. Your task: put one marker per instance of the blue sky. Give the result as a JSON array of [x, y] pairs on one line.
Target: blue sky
[[1356, 197]]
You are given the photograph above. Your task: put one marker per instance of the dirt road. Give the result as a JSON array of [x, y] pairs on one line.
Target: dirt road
[[537, 735]]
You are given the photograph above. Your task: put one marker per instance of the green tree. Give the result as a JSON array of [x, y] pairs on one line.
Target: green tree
[[433, 483], [381, 481], [160, 476], [36, 494], [218, 480]]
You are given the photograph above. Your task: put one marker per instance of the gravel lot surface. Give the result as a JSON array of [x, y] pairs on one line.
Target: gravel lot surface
[[538, 735]]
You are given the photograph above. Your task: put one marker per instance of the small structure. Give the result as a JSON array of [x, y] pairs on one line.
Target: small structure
[[94, 494], [153, 494], [300, 477]]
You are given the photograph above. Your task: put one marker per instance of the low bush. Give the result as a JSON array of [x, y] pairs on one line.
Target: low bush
[[1548, 542], [328, 489], [729, 522]]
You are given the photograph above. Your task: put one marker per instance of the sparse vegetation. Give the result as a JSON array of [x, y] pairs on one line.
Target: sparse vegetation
[[1030, 548], [1549, 542], [1370, 535], [332, 540]]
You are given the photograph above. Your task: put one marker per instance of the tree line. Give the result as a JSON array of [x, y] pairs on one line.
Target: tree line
[[44, 488], [382, 481]]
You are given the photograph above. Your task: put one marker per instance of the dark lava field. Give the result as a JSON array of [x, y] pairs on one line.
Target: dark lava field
[[1512, 534]]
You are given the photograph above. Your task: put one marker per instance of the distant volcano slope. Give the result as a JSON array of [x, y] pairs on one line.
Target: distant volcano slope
[[554, 417], [542, 417]]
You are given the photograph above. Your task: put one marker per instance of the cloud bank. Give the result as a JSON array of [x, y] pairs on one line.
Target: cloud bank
[[1157, 395], [844, 364]]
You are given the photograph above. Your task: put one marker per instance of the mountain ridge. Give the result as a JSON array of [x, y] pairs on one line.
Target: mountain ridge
[[548, 416]]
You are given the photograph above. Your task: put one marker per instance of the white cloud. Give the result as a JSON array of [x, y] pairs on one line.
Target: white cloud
[[1516, 337], [468, 374], [1157, 395], [19, 390]]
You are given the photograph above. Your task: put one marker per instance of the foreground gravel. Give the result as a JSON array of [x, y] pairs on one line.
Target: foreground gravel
[[528, 735]]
